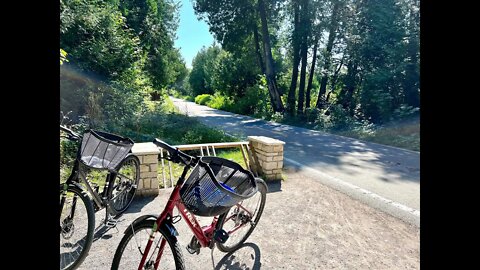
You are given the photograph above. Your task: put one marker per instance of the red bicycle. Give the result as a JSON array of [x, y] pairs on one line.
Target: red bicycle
[[217, 188]]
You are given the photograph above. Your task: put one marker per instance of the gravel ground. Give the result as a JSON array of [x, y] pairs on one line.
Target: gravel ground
[[305, 225]]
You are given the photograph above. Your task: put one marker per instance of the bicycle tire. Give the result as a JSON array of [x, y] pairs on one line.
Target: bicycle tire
[[122, 262], [238, 239], [68, 228], [122, 191]]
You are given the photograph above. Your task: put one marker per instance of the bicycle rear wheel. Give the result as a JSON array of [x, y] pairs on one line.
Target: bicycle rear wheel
[[123, 190], [130, 250], [240, 221], [77, 221]]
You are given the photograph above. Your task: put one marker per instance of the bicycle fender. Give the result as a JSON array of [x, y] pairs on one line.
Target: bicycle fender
[[171, 229], [75, 185], [140, 219]]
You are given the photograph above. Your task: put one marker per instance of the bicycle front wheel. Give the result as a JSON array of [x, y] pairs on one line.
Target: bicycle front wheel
[[125, 185], [130, 250], [240, 221], [77, 221]]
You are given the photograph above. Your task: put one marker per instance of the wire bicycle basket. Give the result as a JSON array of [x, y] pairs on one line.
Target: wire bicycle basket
[[215, 185], [102, 150]]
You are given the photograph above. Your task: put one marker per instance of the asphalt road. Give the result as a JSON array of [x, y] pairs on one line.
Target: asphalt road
[[387, 178]]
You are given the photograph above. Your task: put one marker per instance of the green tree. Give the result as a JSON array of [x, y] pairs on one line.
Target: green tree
[[243, 23], [381, 58], [411, 82], [332, 34], [203, 66]]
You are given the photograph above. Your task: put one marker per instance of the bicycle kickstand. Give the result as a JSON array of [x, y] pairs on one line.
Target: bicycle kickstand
[[109, 221], [211, 254]]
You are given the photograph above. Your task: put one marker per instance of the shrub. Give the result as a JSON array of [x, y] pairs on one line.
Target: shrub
[[203, 99], [277, 117], [220, 102], [255, 102], [334, 118], [404, 111]]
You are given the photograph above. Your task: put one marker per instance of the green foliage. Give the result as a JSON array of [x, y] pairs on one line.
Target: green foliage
[[230, 21], [255, 102], [220, 102], [203, 99], [203, 66], [63, 56], [334, 118], [129, 43], [404, 112], [163, 122], [277, 117], [179, 94], [380, 53], [102, 103], [68, 151], [233, 155], [234, 73], [97, 38]]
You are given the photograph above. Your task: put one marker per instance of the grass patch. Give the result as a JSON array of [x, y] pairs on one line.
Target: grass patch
[[160, 120], [403, 134], [233, 155]]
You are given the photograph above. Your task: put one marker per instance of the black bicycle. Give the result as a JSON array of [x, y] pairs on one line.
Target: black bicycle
[[97, 151]]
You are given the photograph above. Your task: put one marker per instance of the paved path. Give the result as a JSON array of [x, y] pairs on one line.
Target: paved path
[[305, 225], [385, 177]]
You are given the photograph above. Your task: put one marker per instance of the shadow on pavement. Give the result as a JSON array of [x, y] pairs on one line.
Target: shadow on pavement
[[135, 207], [274, 186], [245, 257], [138, 203], [311, 146]]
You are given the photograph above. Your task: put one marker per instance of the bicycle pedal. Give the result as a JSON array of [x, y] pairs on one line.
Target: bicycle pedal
[[221, 236], [111, 223], [193, 246], [192, 250]]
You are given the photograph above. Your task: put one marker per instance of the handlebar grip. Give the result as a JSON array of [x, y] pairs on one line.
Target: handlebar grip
[[175, 153]]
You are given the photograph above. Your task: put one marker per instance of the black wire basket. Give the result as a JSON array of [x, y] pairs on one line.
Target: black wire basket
[[215, 185], [102, 150]]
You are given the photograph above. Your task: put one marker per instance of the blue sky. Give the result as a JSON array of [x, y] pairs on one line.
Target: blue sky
[[192, 34]]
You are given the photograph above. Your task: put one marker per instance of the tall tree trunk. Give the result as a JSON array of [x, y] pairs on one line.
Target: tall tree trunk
[[328, 54], [303, 52], [258, 51], [296, 61], [312, 70], [346, 95], [334, 79], [277, 104]]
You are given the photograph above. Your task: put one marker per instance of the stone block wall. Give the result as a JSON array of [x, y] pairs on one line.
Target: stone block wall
[[147, 153], [269, 156]]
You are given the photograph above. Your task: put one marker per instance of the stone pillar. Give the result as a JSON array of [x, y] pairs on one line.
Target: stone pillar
[[147, 153], [269, 156]]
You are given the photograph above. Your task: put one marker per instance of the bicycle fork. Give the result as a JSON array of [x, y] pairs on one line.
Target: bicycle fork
[[147, 250]]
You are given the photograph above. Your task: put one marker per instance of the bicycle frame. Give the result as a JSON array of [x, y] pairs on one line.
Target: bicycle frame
[[203, 234], [77, 176]]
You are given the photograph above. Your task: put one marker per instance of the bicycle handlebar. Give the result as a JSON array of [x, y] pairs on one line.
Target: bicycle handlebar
[[175, 154], [71, 134]]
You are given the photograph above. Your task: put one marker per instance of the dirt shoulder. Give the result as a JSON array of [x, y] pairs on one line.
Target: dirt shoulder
[[305, 225]]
